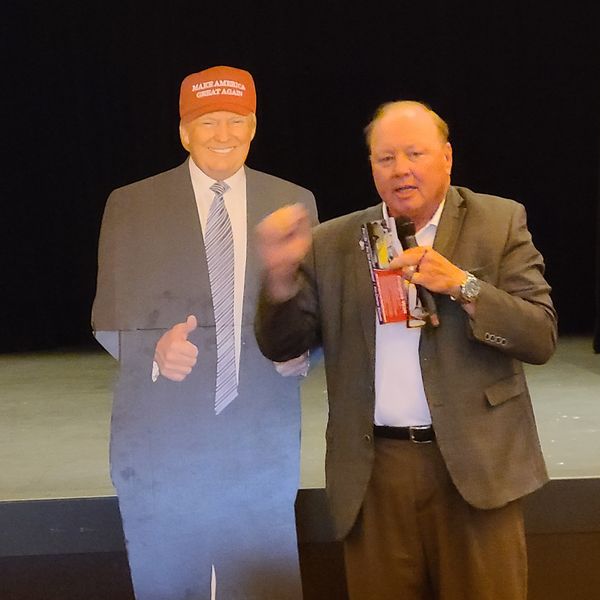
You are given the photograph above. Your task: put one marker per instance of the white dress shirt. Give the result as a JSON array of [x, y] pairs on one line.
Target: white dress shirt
[[399, 393], [235, 202]]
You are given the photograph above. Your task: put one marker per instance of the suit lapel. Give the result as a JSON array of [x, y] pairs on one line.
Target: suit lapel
[[190, 237], [362, 281], [259, 203], [450, 224]]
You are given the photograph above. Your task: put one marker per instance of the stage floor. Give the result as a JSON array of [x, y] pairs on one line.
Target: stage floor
[[55, 417]]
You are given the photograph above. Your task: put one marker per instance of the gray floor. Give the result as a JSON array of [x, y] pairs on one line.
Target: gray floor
[[55, 416]]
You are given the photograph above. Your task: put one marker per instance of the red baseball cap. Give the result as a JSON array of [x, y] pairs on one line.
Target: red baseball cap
[[217, 88]]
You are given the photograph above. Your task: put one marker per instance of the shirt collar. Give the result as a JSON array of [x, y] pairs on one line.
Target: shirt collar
[[204, 181], [434, 221]]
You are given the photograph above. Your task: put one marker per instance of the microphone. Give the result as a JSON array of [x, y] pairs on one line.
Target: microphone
[[405, 229]]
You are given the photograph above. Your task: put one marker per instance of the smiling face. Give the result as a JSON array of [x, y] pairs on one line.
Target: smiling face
[[410, 162], [219, 142]]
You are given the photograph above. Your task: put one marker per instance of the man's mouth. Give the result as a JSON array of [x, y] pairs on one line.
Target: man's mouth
[[404, 189], [222, 150]]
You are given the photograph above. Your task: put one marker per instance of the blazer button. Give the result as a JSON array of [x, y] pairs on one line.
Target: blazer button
[[367, 438]]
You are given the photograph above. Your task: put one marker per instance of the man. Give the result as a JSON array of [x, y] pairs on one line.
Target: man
[[205, 431], [431, 435]]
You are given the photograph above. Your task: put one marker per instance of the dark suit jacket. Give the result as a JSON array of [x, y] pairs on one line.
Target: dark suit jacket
[[197, 488], [471, 368], [152, 263]]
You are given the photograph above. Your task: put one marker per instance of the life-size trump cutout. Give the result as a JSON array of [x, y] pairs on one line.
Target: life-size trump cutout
[[205, 431]]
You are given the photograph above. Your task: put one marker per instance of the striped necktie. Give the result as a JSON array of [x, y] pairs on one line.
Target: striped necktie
[[220, 259]]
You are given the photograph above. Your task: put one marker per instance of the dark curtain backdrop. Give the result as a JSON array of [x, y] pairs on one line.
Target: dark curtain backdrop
[[597, 328], [90, 102]]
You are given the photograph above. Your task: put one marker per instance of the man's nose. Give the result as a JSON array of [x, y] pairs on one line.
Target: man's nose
[[401, 164], [222, 132]]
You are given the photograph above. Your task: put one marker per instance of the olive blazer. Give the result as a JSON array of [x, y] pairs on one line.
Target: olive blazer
[[471, 367]]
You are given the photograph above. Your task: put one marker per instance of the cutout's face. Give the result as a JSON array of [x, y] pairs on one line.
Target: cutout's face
[[219, 142]]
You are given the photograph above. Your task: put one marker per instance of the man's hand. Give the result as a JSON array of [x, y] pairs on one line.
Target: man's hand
[[284, 238], [424, 266], [174, 354]]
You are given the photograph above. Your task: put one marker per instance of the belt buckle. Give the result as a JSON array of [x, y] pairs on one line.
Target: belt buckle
[[411, 434]]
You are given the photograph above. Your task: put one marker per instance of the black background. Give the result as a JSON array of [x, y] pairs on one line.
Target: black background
[[90, 103]]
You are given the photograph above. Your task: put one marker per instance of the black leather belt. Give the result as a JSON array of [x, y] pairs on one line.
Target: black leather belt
[[420, 434]]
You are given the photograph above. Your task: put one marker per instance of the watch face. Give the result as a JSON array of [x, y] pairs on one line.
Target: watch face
[[470, 288]]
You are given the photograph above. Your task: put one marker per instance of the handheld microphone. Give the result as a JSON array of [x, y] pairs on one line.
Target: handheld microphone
[[405, 229]]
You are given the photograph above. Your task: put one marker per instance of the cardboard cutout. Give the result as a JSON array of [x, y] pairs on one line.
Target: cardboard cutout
[[202, 497]]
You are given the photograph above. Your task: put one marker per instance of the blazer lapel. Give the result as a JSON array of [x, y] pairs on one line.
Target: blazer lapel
[[259, 203], [450, 223], [363, 283], [196, 285]]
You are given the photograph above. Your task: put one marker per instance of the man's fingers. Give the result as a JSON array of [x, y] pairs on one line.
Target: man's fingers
[[409, 272], [178, 361], [185, 354], [424, 266], [190, 324], [283, 223], [411, 257], [284, 238], [178, 374], [396, 263], [296, 219], [290, 216], [174, 354]]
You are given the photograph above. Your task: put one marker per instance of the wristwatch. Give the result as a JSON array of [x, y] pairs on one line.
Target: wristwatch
[[469, 289]]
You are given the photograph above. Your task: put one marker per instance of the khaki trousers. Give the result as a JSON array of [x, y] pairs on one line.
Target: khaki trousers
[[417, 539]]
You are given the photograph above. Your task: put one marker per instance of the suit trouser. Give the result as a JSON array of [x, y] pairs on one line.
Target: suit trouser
[[416, 538]]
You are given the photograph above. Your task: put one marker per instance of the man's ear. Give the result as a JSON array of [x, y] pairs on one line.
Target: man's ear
[[184, 136], [448, 157]]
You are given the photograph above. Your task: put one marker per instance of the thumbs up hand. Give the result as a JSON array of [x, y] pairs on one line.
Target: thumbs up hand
[[174, 354]]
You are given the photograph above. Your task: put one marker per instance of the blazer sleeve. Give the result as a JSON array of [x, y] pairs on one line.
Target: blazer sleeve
[[287, 329], [515, 314]]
